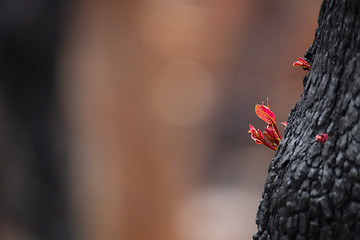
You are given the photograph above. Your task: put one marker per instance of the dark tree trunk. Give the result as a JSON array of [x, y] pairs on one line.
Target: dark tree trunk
[[32, 153], [313, 189]]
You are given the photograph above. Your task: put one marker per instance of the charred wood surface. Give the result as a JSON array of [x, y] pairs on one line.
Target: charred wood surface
[[313, 189]]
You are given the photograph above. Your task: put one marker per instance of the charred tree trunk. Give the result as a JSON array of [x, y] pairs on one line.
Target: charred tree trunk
[[313, 189]]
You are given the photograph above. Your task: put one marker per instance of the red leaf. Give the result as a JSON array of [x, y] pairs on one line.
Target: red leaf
[[302, 63], [265, 114]]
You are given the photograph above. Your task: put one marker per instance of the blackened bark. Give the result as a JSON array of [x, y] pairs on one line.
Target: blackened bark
[[313, 189]]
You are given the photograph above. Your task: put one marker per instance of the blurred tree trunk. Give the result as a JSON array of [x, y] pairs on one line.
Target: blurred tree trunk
[[127, 164], [313, 189], [33, 163]]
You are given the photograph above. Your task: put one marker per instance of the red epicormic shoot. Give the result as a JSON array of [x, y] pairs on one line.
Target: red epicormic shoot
[[271, 136], [321, 138], [302, 63]]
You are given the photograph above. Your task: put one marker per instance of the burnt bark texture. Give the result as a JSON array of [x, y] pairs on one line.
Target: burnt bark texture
[[313, 189]]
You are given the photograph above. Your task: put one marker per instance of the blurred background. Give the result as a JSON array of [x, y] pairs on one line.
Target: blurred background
[[128, 119]]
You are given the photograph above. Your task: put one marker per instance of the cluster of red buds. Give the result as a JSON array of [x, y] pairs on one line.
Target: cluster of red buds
[[321, 138], [302, 63], [271, 136]]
